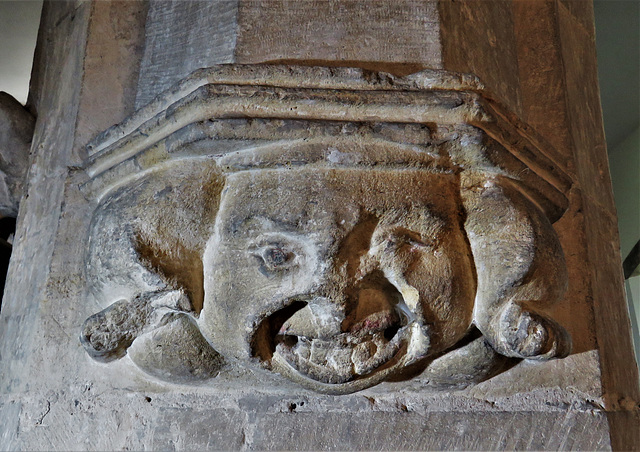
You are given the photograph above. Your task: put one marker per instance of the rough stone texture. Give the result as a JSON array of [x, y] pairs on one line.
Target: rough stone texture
[[182, 37], [478, 38], [446, 431], [110, 78], [151, 418], [541, 74], [543, 94], [91, 407], [16, 131], [65, 26], [620, 382], [55, 397], [378, 266], [393, 36]]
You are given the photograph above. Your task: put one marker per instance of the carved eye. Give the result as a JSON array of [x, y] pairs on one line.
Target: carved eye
[[404, 237], [275, 258]]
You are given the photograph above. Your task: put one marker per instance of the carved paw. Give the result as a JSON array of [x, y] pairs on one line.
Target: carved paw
[[108, 334], [176, 352], [521, 333]]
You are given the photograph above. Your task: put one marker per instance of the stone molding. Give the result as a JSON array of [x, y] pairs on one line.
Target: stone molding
[[309, 125]]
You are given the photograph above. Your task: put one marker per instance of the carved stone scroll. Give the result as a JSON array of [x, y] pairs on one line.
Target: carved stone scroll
[[336, 226]]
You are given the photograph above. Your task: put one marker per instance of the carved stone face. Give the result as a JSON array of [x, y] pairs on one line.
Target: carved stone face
[[333, 215], [337, 278]]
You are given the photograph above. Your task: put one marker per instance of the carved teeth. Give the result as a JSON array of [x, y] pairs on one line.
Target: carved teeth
[[341, 358], [314, 342]]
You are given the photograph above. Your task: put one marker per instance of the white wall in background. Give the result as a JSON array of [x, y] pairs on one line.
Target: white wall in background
[[19, 21], [624, 162]]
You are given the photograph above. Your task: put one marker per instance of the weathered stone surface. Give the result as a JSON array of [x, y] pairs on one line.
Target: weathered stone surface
[[209, 429], [61, 399], [360, 272], [541, 74], [398, 34], [619, 379], [149, 418], [436, 431], [115, 41], [478, 38], [182, 37], [65, 26]]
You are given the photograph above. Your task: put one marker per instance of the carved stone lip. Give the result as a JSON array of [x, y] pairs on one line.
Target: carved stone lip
[[407, 346], [343, 357], [340, 363]]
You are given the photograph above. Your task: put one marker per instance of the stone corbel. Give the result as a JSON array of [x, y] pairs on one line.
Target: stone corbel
[[337, 226]]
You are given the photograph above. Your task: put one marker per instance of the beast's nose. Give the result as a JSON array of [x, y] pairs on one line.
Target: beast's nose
[[318, 319], [373, 312], [372, 305]]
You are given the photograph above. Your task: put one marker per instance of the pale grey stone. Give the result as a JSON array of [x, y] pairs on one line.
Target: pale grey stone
[[55, 397], [39, 216], [436, 431], [212, 429], [184, 36], [339, 258]]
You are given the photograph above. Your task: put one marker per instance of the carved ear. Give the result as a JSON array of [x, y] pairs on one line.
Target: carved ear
[[179, 266], [520, 269], [147, 243], [176, 210]]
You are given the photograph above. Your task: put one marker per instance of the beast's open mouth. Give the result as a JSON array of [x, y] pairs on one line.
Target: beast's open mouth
[[342, 357], [341, 362]]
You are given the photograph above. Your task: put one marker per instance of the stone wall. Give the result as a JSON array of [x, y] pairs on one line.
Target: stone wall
[[97, 62]]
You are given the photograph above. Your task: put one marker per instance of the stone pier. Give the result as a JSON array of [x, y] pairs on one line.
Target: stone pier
[[316, 225]]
